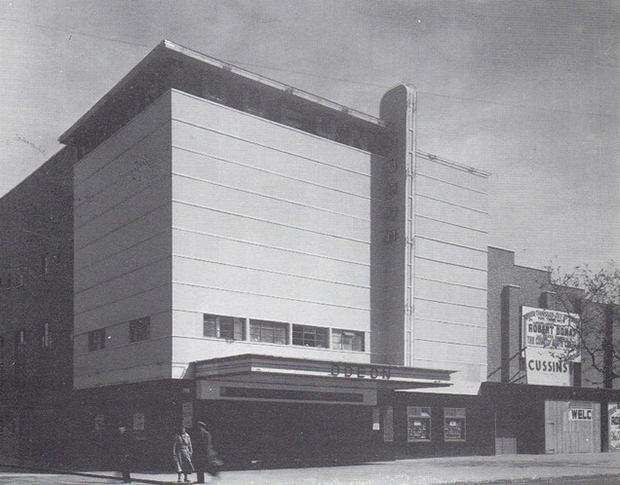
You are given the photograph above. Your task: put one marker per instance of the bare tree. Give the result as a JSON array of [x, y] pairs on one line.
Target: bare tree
[[595, 297]]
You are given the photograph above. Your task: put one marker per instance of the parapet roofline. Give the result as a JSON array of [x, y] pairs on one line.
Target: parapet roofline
[[453, 164], [166, 47]]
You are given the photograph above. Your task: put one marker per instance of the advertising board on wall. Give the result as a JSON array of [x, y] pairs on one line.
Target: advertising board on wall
[[418, 424], [614, 426], [550, 344], [580, 411]]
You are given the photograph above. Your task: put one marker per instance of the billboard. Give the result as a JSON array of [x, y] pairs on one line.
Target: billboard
[[614, 426], [550, 343]]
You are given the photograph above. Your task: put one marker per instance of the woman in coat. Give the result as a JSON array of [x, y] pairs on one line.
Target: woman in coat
[[182, 454]]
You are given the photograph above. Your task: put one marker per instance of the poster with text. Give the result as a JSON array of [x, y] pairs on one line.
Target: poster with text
[[550, 345], [614, 426]]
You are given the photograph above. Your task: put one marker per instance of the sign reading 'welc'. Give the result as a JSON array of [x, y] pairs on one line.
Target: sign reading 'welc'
[[550, 344]]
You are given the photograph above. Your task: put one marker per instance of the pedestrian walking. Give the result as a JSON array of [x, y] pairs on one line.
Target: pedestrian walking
[[124, 450], [205, 456], [182, 454]]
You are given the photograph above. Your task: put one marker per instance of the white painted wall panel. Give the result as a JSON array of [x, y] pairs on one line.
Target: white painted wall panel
[[229, 200], [244, 126], [268, 233], [268, 223], [455, 175], [126, 176], [436, 311], [444, 331], [257, 170], [450, 281], [122, 361], [141, 229], [124, 261], [450, 213], [232, 302], [133, 305], [430, 187], [150, 119], [449, 292], [445, 231], [249, 253], [248, 280], [449, 352], [118, 286], [233, 150], [122, 251], [450, 272], [450, 253], [124, 213]]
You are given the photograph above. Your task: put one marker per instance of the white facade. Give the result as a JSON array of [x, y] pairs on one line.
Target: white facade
[[451, 236], [195, 208], [196, 211]]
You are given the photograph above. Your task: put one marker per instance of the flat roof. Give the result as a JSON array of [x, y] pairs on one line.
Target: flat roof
[[290, 370], [167, 47]]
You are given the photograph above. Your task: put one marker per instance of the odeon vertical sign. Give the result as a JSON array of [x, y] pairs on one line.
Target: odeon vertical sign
[[550, 345]]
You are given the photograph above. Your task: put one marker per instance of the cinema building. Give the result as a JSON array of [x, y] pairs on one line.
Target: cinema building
[[291, 271]]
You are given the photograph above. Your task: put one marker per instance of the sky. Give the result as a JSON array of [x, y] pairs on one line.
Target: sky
[[528, 91]]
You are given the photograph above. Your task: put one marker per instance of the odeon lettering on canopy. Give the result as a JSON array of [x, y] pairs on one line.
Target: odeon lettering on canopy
[[359, 371]]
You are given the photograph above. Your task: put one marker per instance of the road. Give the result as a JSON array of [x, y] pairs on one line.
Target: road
[[595, 480]]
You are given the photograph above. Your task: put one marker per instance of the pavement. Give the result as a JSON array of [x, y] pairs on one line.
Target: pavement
[[454, 470]]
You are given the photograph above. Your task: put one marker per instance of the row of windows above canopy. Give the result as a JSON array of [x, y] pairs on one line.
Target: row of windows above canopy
[[234, 328]]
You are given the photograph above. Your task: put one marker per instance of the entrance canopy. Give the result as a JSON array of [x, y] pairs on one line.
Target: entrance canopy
[[265, 369]]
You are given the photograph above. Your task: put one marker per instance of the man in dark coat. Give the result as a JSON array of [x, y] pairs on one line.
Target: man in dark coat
[[205, 456], [124, 450]]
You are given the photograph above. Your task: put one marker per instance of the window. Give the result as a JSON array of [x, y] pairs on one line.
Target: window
[[348, 340], [229, 328], [1, 361], [44, 264], [140, 329], [96, 340], [20, 337], [264, 331], [418, 424], [46, 339], [310, 336], [454, 424]]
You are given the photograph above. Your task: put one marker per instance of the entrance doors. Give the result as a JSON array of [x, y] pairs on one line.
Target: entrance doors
[[267, 434], [572, 427]]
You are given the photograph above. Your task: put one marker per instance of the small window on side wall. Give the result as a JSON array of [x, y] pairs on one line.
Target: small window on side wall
[[96, 340], [46, 337], [140, 329], [227, 328], [20, 337]]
